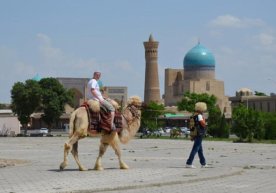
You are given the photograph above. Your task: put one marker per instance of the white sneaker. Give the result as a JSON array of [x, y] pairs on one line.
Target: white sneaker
[[205, 166], [190, 166]]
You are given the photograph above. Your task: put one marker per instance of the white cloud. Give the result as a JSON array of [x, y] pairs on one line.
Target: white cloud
[[49, 52], [266, 39], [265, 43], [230, 21], [44, 38], [124, 65]]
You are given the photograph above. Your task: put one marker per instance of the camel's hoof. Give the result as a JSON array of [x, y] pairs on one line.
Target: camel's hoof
[[124, 167], [62, 166], [99, 168], [83, 169]]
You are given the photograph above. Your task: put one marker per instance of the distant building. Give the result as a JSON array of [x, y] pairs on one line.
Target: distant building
[[259, 103], [117, 93], [9, 124], [79, 86]]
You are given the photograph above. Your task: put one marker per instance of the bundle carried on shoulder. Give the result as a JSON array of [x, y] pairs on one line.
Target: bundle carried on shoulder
[[193, 126]]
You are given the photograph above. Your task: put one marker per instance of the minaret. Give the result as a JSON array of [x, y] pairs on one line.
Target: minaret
[[152, 90]]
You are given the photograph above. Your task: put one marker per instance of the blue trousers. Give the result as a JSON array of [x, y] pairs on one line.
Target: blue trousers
[[197, 148]]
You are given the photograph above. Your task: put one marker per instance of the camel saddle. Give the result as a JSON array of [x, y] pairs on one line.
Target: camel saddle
[[102, 120]]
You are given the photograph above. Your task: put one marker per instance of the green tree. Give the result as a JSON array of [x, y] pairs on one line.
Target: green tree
[[214, 119], [150, 115], [247, 123], [260, 93], [3, 106], [255, 124], [225, 128], [270, 125], [239, 118], [190, 99], [54, 97], [25, 100]]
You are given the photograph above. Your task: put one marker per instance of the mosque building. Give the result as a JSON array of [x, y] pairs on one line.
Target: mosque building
[[198, 76]]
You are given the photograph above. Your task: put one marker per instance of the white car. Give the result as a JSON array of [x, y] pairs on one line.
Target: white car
[[158, 132], [167, 129], [185, 130], [43, 130]]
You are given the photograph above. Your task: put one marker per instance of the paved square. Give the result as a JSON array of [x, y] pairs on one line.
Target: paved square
[[155, 166]]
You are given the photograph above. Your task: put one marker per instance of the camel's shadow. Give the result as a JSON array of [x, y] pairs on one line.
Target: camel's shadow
[[74, 170]]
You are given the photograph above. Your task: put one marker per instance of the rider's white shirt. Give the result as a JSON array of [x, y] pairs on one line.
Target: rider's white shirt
[[94, 84]]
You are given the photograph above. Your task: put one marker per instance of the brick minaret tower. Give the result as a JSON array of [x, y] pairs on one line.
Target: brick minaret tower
[[152, 90]]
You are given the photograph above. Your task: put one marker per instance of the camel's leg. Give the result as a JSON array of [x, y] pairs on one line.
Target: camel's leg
[[102, 149], [74, 152], [115, 145], [67, 148]]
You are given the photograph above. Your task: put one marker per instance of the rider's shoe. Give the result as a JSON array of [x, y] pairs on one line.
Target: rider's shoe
[[113, 127]]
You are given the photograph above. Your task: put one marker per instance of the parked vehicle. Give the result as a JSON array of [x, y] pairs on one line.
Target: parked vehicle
[[44, 130], [37, 132], [147, 132], [167, 129], [185, 130], [159, 132]]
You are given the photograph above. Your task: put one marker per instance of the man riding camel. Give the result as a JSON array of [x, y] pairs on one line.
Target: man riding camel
[[94, 93]]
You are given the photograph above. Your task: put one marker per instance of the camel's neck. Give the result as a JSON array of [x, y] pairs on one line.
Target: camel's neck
[[131, 114], [131, 123]]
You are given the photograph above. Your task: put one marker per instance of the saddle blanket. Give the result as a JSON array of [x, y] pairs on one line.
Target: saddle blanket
[[102, 120]]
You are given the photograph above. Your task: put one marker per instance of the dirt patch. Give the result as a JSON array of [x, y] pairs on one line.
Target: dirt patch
[[11, 162]]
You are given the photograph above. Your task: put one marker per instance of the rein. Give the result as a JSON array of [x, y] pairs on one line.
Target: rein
[[134, 112]]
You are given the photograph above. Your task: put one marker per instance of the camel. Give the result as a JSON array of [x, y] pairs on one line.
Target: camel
[[131, 117]]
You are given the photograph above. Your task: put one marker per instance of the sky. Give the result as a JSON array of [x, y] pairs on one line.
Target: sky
[[70, 38]]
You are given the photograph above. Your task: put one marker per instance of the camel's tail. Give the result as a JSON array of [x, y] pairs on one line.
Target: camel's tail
[[71, 124]]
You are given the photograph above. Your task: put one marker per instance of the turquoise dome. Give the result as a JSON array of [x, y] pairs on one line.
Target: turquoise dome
[[199, 56], [36, 78]]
